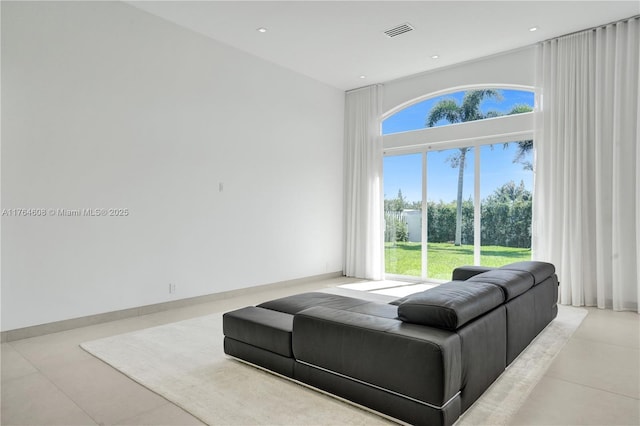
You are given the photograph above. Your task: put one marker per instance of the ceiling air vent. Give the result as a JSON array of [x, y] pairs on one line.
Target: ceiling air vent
[[399, 29]]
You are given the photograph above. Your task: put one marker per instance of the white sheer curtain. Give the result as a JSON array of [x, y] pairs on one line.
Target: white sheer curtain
[[363, 184], [587, 182]]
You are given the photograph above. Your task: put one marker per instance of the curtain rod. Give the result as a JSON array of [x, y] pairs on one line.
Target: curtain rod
[[592, 28]]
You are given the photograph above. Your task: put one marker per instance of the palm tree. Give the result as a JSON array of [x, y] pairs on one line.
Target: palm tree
[[469, 110], [524, 147]]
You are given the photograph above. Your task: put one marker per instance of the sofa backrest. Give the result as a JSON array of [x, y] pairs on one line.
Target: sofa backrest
[[512, 282], [449, 306], [539, 270]]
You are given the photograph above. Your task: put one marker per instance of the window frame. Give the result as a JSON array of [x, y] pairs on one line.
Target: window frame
[[495, 130]]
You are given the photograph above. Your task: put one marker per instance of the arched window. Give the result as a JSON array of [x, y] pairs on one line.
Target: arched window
[[458, 182], [504, 102]]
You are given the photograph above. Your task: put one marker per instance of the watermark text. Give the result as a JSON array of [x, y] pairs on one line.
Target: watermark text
[[60, 212]]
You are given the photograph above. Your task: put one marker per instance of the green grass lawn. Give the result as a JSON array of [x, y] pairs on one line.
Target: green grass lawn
[[404, 258]]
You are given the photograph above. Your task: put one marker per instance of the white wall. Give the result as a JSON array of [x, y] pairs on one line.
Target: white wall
[[105, 106], [515, 68]]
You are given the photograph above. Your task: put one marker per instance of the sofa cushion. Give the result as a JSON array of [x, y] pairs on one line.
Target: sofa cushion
[[539, 270], [262, 328], [383, 310], [300, 302], [513, 283], [449, 306], [463, 273]]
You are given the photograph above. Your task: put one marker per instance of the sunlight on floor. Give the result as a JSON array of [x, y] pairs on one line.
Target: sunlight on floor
[[405, 290], [374, 285], [389, 287]]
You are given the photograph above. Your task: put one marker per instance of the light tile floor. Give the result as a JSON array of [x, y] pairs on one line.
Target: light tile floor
[[49, 380]]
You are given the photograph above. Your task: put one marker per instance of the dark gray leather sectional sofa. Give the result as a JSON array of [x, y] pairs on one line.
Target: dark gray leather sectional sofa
[[423, 359]]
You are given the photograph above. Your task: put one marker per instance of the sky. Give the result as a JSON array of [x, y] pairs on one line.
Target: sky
[[414, 116], [496, 162]]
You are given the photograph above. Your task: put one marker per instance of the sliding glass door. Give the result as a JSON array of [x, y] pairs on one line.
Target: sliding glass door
[[506, 201], [403, 214], [460, 206], [450, 211]]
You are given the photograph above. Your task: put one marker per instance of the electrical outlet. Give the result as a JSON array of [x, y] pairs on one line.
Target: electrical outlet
[[172, 288]]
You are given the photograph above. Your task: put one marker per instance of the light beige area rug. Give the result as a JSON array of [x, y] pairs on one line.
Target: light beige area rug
[[506, 395], [184, 362]]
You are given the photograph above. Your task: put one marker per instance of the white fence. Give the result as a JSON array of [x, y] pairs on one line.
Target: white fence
[[409, 222]]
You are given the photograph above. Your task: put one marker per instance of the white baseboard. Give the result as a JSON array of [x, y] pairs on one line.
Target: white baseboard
[[58, 326]]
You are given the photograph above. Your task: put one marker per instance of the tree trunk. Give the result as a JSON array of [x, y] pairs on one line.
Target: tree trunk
[[463, 154]]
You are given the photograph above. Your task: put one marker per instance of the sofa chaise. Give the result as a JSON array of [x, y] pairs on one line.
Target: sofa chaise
[[422, 359]]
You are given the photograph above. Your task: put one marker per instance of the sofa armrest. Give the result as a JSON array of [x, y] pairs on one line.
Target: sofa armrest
[[420, 362], [463, 273]]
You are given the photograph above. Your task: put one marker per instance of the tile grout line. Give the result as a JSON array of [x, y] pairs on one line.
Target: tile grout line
[[633, 348], [114, 369], [52, 382], [549, 376], [574, 337], [168, 402], [69, 397]]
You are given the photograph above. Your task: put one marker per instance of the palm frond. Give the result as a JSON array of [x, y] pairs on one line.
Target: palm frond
[[446, 109], [524, 148], [471, 103], [454, 160]]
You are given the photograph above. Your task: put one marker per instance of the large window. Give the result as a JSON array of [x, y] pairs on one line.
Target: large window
[[450, 203]]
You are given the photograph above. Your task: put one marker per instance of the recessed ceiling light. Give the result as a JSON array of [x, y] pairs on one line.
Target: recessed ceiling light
[[435, 56], [262, 30], [532, 29], [363, 76]]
